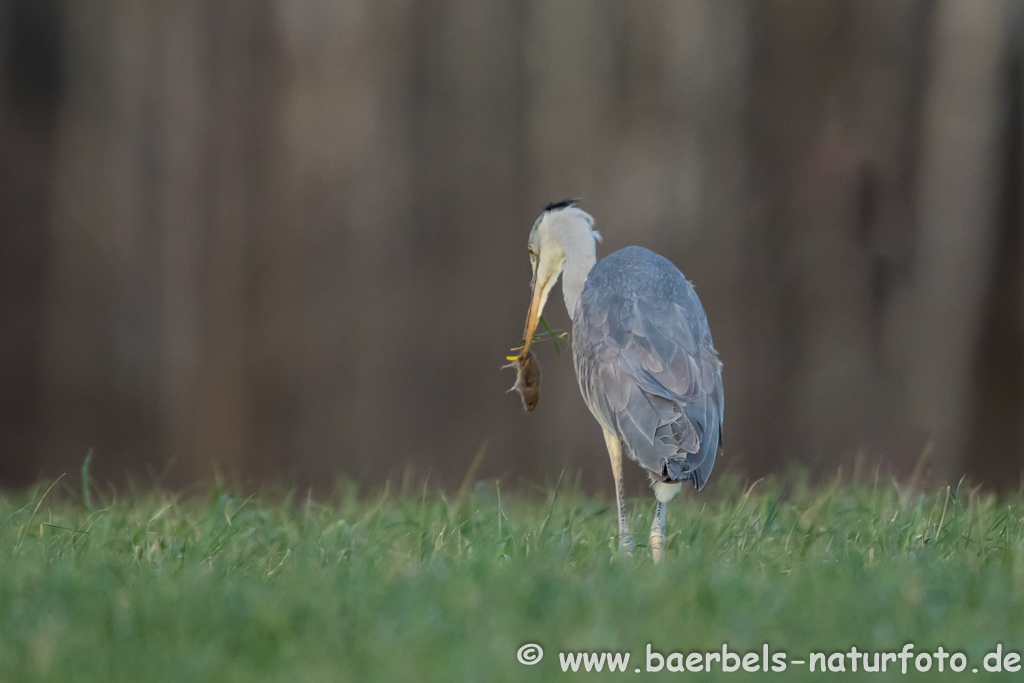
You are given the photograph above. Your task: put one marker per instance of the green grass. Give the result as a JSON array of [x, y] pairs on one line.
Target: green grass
[[424, 587]]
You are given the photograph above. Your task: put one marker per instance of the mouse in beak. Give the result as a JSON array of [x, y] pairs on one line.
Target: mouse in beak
[[527, 379]]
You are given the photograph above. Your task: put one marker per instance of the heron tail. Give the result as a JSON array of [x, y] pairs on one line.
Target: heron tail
[[676, 469]]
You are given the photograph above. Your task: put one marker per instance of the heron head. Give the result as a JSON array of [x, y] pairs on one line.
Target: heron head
[[563, 234]]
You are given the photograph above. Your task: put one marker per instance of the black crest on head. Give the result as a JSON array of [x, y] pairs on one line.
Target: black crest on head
[[565, 203]]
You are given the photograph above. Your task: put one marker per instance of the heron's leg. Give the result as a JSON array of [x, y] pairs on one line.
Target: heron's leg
[[658, 531], [615, 453]]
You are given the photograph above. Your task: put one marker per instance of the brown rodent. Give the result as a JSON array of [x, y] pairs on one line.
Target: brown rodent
[[527, 379]]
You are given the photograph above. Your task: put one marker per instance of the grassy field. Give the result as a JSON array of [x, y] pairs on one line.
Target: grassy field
[[424, 587]]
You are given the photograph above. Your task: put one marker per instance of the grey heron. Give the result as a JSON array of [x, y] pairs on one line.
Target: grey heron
[[644, 358]]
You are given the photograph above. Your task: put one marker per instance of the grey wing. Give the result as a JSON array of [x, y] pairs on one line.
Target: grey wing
[[649, 372]]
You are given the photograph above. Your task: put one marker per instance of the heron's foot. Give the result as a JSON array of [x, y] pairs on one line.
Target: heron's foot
[[658, 532], [657, 546], [626, 544]]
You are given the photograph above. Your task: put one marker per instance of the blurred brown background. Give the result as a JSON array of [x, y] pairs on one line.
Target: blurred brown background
[[287, 240]]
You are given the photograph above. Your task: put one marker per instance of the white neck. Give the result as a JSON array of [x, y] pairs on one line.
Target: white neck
[[578, 263]]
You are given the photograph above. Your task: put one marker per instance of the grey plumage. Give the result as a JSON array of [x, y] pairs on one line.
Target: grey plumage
[[646, 364]]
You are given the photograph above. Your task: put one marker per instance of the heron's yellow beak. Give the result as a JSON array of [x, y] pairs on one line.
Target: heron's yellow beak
[[541, 288]]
